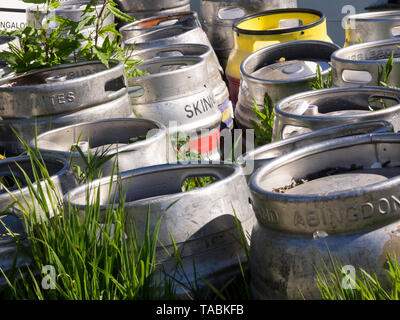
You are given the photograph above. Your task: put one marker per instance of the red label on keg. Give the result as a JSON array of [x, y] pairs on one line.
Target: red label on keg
[[206, 144]]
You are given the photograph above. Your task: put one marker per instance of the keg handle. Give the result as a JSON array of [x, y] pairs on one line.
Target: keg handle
[[236, 12]]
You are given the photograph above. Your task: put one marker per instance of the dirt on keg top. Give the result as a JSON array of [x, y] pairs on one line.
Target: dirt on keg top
[[317, 175], [30, 80]]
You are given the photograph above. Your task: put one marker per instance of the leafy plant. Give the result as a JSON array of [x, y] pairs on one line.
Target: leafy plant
[[384, 72], [265, 116], [319, 82], [46, 47]]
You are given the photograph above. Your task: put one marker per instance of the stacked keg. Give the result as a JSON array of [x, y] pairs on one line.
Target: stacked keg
[[175, 39], [217, 18], [150, 8]]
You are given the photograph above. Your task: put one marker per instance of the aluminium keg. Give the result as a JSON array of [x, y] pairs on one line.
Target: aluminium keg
[[315, 110], [254, 32], [201, 221], [150, 5], [279, 70], [50, 98], [11, 214], [218, 17], [215, 71], [260, 156], [135, 143], [319, 198], [360, 64], [372, 26], [177, 93]]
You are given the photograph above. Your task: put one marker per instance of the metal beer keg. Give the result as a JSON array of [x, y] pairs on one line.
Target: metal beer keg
[[201, 221], [319, 109], [319, 198]]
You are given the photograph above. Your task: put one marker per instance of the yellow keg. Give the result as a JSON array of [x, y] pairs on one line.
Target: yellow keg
[[264, 29]]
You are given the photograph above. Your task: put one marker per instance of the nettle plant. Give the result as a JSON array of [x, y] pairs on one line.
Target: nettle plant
[[59, 40]]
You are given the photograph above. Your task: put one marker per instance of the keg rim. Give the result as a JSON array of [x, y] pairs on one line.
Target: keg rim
[[61, 8], [382, 126], [131, 26], [380, 16], [238, 30], [311, 93], [338, 56], [315, 149], [98, 183], [139, 144], [65, 169], [207, 49], [265, 50], [114, 65]]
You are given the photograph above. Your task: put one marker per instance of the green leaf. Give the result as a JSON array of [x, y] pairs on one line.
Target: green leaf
[[119, 14]]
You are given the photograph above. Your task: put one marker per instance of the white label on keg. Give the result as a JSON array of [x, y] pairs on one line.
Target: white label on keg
[[12, 20]]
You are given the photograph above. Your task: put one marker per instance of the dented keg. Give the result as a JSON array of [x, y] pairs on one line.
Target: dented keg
[[215, 71], [177, 93], [372, 26], [132, 143], [150, 5], [11, 212], [218, 17], [201, 222], [362, 64], [255, 159], [319, 109], [319, 198], [267, 28], [280, 70]]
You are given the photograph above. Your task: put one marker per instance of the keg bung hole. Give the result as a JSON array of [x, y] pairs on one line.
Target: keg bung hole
[[196, 182], [356, 76], [230, 13]]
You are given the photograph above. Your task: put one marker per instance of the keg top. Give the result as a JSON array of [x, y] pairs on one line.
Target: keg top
[[109, 135], [341, 102], [157, 182], [12, 166], [368, 53], [268, 22], [319, 187], [376, 16]]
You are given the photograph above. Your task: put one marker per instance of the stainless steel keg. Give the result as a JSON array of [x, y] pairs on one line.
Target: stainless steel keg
[[61, 89], [164, 30], [132, 143], [258, 157], [150, 5], [177, 93], [218, 17], [280, 70], [201, 221], [11, 212], [219, 88], [315, 110], [341, 195], [28, 128], [372, 26], [361, 64]]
